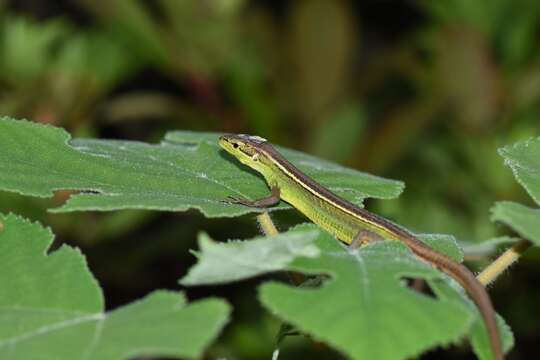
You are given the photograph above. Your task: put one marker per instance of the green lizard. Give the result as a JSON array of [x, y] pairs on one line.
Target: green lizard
[[348, 222]]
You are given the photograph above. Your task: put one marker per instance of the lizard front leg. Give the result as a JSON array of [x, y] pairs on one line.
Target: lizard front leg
[[269, 201]]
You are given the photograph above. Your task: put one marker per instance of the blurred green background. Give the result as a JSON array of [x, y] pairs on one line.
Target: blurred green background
[[421, 91]]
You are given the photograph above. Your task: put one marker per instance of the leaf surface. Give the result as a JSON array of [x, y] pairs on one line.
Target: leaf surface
[[236, 260], [185, 171], [364, 308], [51, 307], [523, 219], [524, 159]]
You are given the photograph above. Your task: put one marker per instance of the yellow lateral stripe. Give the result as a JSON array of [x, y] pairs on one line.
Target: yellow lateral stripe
[[320, 196]]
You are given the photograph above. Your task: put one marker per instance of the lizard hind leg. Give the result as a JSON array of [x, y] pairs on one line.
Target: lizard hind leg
[[364, 237]]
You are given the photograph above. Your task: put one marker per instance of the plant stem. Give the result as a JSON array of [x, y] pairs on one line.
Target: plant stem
[[503, 262], [267, 225], [269, 229]]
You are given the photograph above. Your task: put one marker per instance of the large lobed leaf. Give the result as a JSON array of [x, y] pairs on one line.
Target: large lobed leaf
[[186, 171], [365, 308], [51, 307], [524, 160]]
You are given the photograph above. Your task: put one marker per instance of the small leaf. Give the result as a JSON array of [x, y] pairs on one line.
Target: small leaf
[[51, 305], [364, 309], [524, 159], [488, 246], [519, 217], [219, 262], [186, 171]]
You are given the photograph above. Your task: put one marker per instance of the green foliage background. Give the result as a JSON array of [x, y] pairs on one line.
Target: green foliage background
[[424, 92]]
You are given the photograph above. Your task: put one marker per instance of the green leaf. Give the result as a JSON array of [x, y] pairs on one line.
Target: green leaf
[[364, 305], [236, 260], [480, 341], [487, 247], [519, 217], [52, 308], [348, 183], [445, 244], [524, 159], [186, 171]]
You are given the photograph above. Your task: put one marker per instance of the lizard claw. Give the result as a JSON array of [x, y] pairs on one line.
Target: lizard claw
[[236, 200]]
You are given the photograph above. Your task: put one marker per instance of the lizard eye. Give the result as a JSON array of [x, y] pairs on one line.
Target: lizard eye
[[235, 145]]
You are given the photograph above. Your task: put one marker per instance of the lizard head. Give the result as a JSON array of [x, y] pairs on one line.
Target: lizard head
[[249, 150]]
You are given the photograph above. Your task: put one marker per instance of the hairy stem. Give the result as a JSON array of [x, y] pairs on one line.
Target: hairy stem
[[267, 225], [503, 262]]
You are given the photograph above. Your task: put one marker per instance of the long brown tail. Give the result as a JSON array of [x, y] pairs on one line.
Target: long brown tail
[[474, 288]]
